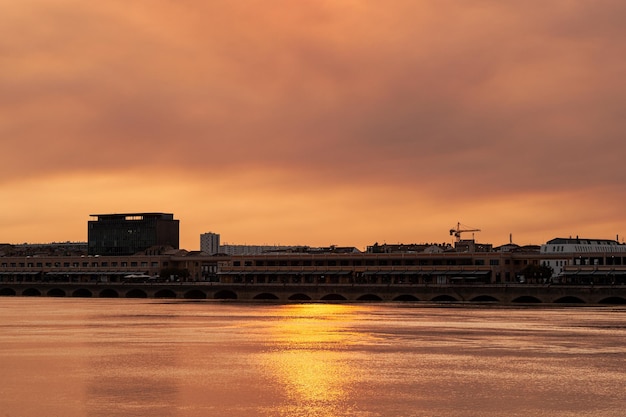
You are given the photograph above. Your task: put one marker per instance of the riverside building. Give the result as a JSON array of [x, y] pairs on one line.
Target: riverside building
[[317, 268], [314, 266], [580, 260]]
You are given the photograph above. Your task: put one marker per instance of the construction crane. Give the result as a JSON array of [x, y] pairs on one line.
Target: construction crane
[[457, 232]]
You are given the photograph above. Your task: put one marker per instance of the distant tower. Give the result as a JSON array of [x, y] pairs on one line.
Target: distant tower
[[210, 243]]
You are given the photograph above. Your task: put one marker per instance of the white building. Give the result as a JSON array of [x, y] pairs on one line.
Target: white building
[[570, 248], [234, 250], [210, 243]]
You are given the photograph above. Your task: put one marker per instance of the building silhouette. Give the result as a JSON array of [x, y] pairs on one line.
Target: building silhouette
[[129, 233]]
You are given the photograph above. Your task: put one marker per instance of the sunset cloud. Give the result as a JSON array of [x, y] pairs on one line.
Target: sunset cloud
[[314, 123]]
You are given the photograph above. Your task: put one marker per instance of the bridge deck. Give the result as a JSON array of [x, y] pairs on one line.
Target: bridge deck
[[502, 294]]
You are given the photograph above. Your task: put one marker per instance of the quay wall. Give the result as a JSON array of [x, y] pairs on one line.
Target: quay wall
[[497, 294]]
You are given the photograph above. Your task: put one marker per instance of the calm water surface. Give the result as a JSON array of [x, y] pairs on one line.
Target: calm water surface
[[120, 357]]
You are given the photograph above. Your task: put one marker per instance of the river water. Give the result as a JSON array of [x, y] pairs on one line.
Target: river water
[[71, 357]]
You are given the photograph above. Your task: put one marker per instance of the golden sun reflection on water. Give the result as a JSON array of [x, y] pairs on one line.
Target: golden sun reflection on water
[[306, 358]]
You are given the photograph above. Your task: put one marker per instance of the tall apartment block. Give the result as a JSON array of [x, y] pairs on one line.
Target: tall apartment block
[[210, 243], [129, 233]]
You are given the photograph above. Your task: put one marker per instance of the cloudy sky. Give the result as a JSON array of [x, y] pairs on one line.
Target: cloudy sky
[[315, 122]]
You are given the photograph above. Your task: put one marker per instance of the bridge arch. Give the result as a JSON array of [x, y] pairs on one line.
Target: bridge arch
[[82, 292], [299, 297], [31, 292], [444, 298], [613, 300], [485, 299], [56, 292], [7, 292], [136, 293], [194, 295], [165, 293], [406, 297], [333, 297], [109, 293], [569, 300], [225, 295], [369, 297], [526, 299], [265, 296]]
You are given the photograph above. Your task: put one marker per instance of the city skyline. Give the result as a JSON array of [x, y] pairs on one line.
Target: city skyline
[[465, 235], [342, 123]]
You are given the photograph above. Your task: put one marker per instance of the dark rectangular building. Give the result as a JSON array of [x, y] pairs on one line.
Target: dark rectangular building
[[129, 233]]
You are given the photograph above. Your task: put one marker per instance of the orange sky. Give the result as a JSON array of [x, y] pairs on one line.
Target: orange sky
[[341, 122]]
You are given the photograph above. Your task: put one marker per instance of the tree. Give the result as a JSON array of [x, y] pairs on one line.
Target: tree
[[537, 273]]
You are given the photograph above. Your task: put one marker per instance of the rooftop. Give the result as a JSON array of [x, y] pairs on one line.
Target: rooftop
[[134, 216]]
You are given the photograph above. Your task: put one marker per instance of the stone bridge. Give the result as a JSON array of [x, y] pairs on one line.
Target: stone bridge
[[498, 294]]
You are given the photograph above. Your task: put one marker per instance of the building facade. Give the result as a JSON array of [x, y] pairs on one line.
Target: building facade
[[397, 268], [210, 243], [570, 252], [129, 233]]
